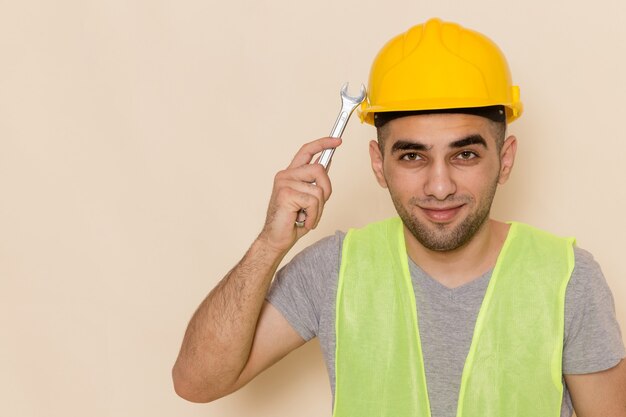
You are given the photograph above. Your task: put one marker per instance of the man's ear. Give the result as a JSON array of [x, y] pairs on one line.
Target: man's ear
[[377, 163], [507, 158]]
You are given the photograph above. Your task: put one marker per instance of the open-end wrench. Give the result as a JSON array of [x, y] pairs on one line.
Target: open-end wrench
[[348, 104]]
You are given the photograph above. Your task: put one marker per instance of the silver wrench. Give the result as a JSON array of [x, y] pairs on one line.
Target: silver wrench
[[348, 104]]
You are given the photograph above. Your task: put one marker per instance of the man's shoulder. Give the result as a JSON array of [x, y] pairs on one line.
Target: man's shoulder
[[587, 274], [586, 268], [323, 255], [530, 230], [584, 259], [324, 246], [329, 248]]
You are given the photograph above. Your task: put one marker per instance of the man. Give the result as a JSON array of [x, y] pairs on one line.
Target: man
[[443, 312]]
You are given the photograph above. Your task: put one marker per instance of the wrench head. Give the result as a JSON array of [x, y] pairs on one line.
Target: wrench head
[[355, 100]]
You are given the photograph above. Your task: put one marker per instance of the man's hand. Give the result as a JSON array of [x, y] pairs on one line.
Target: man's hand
[[301, 186]]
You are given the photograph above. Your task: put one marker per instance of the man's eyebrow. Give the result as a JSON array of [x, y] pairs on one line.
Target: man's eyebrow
[[470, 140], [407, 145]]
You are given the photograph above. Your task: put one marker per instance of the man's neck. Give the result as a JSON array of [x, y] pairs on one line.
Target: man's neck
[[462, 265]]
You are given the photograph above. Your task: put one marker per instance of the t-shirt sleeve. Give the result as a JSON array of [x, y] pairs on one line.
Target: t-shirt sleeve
[[593, 341], [299, 288]]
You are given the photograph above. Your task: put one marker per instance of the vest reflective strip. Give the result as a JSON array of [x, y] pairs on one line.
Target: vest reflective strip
[[514, 364]]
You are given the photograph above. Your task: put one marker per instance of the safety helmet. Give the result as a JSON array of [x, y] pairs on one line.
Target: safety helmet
[[440, 65]]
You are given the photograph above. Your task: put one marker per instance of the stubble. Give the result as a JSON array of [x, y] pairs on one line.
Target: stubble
[[443, 237]]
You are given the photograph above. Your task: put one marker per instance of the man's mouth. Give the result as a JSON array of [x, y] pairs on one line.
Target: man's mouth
[[441, 214]]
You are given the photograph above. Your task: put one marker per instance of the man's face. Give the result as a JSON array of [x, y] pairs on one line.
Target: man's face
[[442, 171]]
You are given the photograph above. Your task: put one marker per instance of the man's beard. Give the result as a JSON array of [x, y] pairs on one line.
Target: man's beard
[[438, 237]]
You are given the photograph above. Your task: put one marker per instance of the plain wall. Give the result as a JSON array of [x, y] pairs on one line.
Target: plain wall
[[139, 140]]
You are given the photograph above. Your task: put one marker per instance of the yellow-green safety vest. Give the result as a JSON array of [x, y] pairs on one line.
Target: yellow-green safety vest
[[514, 365]]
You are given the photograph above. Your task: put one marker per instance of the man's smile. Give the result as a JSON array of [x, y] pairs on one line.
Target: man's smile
[[442, 214]]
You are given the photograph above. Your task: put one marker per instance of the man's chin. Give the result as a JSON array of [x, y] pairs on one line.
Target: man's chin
[[443, 236]]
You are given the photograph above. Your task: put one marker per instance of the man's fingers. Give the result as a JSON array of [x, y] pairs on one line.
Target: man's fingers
[[308, 151], [309, 177], [296, 196], [299, 195], [301, 186]]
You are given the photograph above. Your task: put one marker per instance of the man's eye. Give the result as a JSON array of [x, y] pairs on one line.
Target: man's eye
[[467, 155], [411, 156]]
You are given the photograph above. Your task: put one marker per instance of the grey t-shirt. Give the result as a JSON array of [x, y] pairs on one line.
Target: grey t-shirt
[[304, 291]]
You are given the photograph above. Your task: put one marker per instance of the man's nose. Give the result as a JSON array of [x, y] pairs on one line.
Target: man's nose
[[439, 183]]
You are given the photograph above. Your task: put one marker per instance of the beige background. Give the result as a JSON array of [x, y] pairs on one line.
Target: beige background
[[139, 139]]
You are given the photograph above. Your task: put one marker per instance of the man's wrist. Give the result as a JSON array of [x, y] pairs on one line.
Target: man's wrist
[[265, 249]]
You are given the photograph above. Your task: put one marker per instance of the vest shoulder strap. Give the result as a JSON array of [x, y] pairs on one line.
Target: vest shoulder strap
[[376, 328]]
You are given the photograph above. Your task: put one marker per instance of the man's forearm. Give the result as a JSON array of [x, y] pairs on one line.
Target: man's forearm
[[219, 337]]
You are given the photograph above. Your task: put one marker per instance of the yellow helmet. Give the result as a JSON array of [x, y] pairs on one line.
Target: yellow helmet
[[440, 65]]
